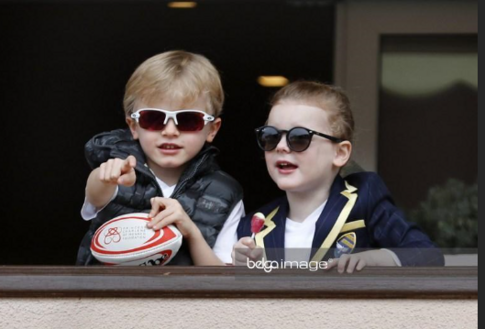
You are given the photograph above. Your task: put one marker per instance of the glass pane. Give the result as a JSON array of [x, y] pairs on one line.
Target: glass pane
[[428, 136]]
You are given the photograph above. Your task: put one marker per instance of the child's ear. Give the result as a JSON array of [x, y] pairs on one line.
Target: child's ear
[[214, 128], [342, 153], [132, 124]]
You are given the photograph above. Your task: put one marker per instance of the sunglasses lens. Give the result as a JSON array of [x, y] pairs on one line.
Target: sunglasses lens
[[299, 139], [187, 121], [268, 138], [190, 121], [152, 120]]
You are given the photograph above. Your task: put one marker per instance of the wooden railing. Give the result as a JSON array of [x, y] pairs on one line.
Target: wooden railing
[[236, 282]]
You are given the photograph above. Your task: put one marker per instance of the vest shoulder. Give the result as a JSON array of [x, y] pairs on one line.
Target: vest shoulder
[[112, 144], [221, 181], [108, 138]]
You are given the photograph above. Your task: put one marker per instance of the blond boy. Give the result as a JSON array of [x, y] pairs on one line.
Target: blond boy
[[172, 105]]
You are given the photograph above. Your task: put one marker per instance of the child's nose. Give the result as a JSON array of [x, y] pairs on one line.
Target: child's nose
[[282, 145], [170, 129]]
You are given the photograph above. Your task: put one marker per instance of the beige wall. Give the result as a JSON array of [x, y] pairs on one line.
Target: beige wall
[[360, 24], [236, 313]]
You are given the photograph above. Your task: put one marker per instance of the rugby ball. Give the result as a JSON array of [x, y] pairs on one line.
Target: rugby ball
[[126, 240]]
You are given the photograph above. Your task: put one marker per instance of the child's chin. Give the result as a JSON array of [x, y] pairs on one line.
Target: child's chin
[[170, 164], [287, 187]]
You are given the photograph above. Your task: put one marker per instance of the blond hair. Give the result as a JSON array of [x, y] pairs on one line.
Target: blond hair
[[176, 75], [327, 97]]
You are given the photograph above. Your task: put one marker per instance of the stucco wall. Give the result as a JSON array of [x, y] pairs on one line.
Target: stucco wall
[[236, 313]]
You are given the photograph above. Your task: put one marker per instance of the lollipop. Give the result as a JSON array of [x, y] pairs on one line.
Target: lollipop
[[257, 223]]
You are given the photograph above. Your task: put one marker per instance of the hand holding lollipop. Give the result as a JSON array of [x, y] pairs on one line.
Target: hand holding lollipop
[[246, 247]]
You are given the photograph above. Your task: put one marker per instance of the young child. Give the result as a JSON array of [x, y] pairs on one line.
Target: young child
[[307, 140], [172, 106]]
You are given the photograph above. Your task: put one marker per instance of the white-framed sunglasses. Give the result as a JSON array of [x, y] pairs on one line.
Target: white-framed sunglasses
[[186, 120]]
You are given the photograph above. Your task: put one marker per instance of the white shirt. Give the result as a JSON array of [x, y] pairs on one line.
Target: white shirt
[[299, 236], [225, 240]]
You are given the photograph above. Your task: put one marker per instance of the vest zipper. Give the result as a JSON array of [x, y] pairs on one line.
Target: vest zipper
[[182, 184]]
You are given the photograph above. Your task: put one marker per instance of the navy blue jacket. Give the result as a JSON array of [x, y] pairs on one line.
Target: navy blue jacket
[[360, 210]]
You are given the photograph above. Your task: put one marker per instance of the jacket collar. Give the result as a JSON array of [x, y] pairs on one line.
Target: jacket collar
[[274, 242], [334, 206]]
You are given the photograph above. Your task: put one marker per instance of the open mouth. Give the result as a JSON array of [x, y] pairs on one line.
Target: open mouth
[[169, 146], [285, 165]]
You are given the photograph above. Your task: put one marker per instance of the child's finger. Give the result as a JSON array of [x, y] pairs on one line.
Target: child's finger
[[157, 214], [256, 253], [128, 164], [159, 221], [342, 263], [158, 205], [242, 249], [116, 170], [241, 257], [361, 264], [331, 263], [155, 208], [107, 171], [102, 169], [163, 219], [128, 179], [132, 161], [247, 241], [109, 168], [353, 260]]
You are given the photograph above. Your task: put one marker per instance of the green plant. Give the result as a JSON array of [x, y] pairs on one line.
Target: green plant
[[449, 215]]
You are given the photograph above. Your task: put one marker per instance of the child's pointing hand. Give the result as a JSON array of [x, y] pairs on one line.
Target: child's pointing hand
[[118, 171]]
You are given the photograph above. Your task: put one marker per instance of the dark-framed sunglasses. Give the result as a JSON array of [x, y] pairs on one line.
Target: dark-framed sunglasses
[[185, 120], [297, 138]]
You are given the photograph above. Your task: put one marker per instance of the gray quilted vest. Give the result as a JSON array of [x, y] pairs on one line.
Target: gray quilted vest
[[207, 194]]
